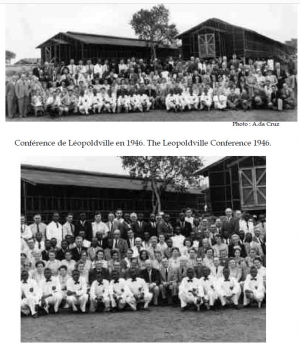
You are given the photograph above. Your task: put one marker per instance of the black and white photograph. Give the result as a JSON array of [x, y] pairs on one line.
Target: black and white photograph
[[143, 248], [151, 62]]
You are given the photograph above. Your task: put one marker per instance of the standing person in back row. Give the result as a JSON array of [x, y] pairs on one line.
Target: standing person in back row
[[22, 93], [54, 229], [84, 225]]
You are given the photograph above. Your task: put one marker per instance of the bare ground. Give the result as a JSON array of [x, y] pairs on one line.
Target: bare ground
[[164, 116], [162, 324]]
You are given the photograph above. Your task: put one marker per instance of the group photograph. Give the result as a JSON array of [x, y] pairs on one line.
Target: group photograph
[[151, 62], [143, 249]]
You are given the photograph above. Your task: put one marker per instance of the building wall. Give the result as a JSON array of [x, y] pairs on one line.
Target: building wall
[[224, 184], [46, 199]]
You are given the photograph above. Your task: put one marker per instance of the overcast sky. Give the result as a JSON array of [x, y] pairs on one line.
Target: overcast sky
[[107, 164], [28, 25]]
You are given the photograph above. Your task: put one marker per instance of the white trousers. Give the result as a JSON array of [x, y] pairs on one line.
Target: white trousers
[[235, 298], [186, 298], [257, 296], [29, 303], [78, 301], [54, 300], [94, 303], [121, 303]]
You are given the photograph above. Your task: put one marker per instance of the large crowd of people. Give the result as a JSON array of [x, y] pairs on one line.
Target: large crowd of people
[[136, 85], [195, 262]]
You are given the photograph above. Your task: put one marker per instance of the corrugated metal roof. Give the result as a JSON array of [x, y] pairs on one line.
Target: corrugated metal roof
[[65, 177], [89, 38]]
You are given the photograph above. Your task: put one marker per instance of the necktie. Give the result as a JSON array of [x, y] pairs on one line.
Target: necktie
[[76, 282], [25, 282], [100, 283], [56, 224], [48, 280], [216, 270], [150, 279], [190, 281], [37, 228], [167, 275], [227, 280], [39, 245], [253, 279], [205, 278]]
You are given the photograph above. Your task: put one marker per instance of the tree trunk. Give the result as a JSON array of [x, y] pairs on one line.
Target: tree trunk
[[157, 195], [153, 51]]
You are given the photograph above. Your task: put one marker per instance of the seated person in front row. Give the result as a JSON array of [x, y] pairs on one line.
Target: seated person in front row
[[254, 290]]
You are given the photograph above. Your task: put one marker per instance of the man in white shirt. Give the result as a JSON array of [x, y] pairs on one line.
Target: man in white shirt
[[68, 227], [51, 291], [69, 262], [254, 289], [98, 69], [77, 292], [217, 270], [26, 232], [261, 270], [110, 223], [228, 289], [137, 247], [139, 288], [131, 239], [189, 216], [178, 238], [99, 294], [72, 68], [30, 295], [99, 226], [38, 226], [120, 294], [54, 229], [190, 291], [242, 223], [208, 284]]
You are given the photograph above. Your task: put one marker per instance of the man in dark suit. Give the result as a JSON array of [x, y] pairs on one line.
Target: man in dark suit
[[152, 226], [130, 238], [229, 223], [84, 225], [60, 254], [98, 268], [11, 98], [280, 75], [186, 227], [78, 249], [153, 279], [140, 226], [119, 244], [234, 244]]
